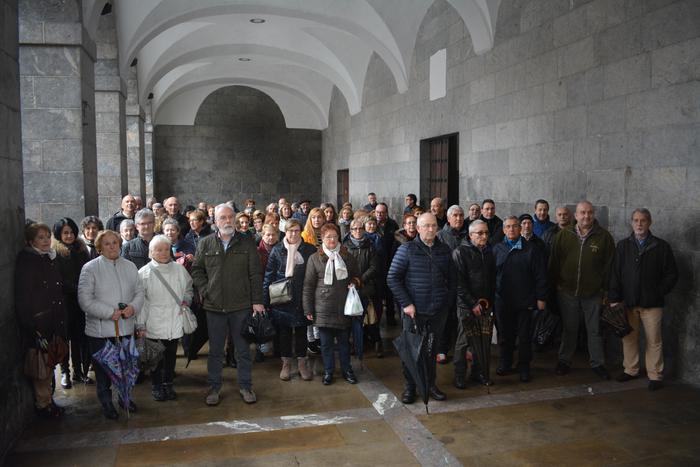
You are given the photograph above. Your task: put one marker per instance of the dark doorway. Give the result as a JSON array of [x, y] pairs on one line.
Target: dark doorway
[[439, 159], [343, 188]]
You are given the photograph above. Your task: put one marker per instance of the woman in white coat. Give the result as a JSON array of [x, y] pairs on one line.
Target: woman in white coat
[[161, 315]]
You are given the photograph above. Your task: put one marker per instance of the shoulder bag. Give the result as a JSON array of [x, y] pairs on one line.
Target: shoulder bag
[[189, 320], [281, 291]]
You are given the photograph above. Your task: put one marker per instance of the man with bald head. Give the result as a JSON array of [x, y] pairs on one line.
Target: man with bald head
[[580, 264], [423, 281], [172, 210], [128, 209], [563, 218], [437, 208]]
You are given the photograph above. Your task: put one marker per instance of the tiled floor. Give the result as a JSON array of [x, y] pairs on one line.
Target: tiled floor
[[306, 423]]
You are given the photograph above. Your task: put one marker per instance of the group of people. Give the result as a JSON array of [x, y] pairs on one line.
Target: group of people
[[440, 269]]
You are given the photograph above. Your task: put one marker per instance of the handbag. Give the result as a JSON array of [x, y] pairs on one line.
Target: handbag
[[36, 365], [353, 305], [281, 291], [189, 320], [258, 328]]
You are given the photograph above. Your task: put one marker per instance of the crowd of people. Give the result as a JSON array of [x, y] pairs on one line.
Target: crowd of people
[[441, 269]]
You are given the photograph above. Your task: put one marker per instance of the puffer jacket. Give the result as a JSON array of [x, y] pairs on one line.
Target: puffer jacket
[[160, 315], [367, 264], [103, 285], [452, 237], [476, 276], [326, 303], [136, 251], [423, 276], [275, 270], [228, 280], [39, 295], [642, 276]]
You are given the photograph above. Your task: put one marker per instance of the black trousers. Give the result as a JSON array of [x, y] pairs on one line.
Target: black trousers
[[165, 371], [514, 324], [292, 341]]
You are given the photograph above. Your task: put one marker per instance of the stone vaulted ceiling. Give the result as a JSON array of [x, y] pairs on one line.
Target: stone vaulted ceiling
[[293, 50]]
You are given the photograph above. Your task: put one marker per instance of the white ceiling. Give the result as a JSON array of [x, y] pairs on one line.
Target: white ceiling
[[186, 49]]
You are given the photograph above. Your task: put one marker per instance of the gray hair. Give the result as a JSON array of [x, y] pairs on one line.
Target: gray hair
[[222, 206], [453, 208], [475, 224], [126, 223], [158, 240], [643, 211], [145, 212], [170, 221]]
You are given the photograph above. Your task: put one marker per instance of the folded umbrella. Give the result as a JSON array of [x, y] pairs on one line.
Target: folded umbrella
[[415, 347], [616, 318], [479, 330], [199, 337]]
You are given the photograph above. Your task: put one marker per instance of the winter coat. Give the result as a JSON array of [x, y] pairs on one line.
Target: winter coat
[[476, 276], [194, 237], [387, 232], [103, 285], [327, 302], [548, 236], [495, 225], [537, 242], [263, 254], [344, 228], [228, 280], [292, 313], [582, 269], [39, 299], [452, 237], [540, 227], [160, 315], [521, 276], [642, 276], [92, 251], [182, 222], [367, 264], [71, 259], [136, 251], [400, 238], [115, 221], [441, 221], [423, 276]]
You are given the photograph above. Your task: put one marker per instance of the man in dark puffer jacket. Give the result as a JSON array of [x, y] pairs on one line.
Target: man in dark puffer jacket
[[423, 282]]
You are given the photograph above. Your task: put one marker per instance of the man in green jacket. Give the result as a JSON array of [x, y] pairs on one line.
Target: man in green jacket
[[226, 271], [579, 266]]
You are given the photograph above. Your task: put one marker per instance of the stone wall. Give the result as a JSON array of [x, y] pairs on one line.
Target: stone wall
[[238, 147], [577, 99], [15, 393]]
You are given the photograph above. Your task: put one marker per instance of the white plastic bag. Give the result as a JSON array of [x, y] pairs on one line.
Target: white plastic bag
[[353, 305]]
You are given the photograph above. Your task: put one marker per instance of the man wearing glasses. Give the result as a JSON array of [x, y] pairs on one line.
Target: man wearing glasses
[[136, 249]]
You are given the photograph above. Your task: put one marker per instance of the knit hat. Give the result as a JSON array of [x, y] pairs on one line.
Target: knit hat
[[525, 216]]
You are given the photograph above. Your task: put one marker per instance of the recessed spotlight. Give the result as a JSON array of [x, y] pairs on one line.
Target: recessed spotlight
[[243, 59], [257, 20]]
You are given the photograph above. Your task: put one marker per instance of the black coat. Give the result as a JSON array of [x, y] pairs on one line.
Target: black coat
[[452, 237], [71, 260], [115, 221], [642, 276], [367, 264], [424, 277], [275, 270], [495, 225], [136, 251], [476, 276], [521, 277]]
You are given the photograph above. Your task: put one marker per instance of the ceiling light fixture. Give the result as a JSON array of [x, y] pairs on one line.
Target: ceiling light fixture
[[243, 59], [257, 20]]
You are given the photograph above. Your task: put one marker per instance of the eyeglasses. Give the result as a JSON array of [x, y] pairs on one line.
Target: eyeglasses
[[293, 231], [330, 238], [356, 228], [481, 232]]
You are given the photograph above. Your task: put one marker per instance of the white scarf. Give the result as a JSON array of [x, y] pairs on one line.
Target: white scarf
[[51, 253], [334, 261], [293, 257]]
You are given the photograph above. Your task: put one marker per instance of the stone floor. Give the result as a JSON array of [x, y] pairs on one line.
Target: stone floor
[[571, 420]]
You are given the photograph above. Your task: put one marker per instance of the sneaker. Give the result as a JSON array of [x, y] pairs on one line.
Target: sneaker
[[212, 397], [655, 385], [314, 348], [441, 358], [562, 368], [624, 377], [248, 396], [601, 372], [158, 394], [65, 381], [349, 376]]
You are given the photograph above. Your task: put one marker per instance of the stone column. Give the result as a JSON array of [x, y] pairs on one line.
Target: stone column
[[135, 119], [148, 154], [56, 59], [110, 116]]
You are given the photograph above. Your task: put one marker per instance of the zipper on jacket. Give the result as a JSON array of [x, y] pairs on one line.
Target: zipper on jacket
[[578, 271], [120, 289]]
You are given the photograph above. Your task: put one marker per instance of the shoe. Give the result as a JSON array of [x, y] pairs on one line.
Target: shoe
[[110, 412], [65, 381], [169, 391], [524, 374], [503, 370], [436, 394], [158, 394], [460, 381], [313, 348], [379, 349], [441, 358], [304, 370], [408, 396], [601, 372], [286, 369], [212, 397], [562, 368], [624, 377], [248, 396], [349, 376], [132, 407], [232, 362], [481, 379], [655, 385], [327, 378]]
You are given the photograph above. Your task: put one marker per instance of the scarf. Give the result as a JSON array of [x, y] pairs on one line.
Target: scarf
[[51, 253], [293, 257], [515, 245], [335, 261]]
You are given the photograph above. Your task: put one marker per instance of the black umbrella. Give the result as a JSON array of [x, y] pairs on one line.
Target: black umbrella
[[479, 331], [199, 337], [415, 349], [544, 327], [616, 317]]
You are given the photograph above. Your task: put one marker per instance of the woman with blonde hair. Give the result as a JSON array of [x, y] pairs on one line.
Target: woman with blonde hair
[[312, 229], [285, 215], [344, 220]]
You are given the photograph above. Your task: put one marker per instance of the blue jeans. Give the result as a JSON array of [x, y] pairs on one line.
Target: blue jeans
[[328, 337]]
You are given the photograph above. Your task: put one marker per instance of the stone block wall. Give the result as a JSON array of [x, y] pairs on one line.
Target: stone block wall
[[577, 99], [15, 393], [238, 147]]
